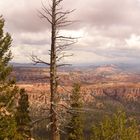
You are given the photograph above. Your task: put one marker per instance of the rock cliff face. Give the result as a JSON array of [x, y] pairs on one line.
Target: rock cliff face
[[123, 92], [40, 92], [118, 92], [103, 81]]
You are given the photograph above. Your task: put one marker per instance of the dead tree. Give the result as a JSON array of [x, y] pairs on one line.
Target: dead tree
[[58, 19]]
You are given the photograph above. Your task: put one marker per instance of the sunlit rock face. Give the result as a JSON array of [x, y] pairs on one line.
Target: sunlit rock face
[[113, 81]]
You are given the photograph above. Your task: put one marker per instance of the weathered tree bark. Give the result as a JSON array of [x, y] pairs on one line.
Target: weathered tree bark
[[53, 78]]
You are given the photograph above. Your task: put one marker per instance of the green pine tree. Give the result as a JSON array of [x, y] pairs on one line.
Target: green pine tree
[[7, 88], [75, 126], [117, 127], [22, 116]]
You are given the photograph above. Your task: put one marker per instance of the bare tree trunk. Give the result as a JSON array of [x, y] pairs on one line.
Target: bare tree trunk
[[57, 19], [53, 77]]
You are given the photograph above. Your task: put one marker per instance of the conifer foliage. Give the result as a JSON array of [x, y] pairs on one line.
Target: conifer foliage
[[75, 126], [22, 116], [7, 88], [117, 127]]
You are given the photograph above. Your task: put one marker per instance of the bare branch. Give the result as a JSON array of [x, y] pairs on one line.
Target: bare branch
[[67, 37], [37, 60], [45, 17], [61, 18], [46, 10], [65, 13], [58, 2], [60, 48], [64, 23], [61, 131], [49, 125], [62, 65], [63, 56], [40, 120]]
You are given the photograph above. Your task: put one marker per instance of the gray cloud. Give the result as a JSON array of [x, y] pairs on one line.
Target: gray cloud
[[107, 26]]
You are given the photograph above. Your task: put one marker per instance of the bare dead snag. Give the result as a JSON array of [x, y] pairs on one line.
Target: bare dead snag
[[58, 19]]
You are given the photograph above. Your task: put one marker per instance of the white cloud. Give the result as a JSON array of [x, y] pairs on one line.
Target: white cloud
[[133, 42]]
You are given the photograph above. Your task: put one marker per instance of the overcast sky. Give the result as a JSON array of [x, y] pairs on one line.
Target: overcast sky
[[109, 30]]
